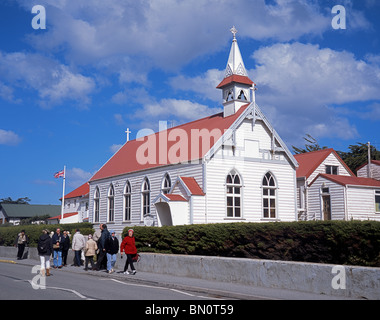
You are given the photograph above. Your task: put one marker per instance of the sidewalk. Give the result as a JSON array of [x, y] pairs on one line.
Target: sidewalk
[[220, 290]]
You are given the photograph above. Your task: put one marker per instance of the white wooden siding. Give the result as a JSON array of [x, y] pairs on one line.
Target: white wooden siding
[[155, 177], [331, 160], [337, 198], [375, 171], [361, 203]]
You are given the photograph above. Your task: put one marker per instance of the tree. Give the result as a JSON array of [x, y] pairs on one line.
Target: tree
[[310, 145], [24, 200], [358, 155]]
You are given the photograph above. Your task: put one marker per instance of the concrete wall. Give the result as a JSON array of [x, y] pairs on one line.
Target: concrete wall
[[358, 282]]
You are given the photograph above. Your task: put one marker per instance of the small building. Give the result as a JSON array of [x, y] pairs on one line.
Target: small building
[[334, 197], [75, 206], [311, 164], [13, 212], [362, 171]]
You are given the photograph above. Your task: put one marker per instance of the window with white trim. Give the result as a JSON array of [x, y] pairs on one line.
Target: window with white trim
[[233, 191], [269, 196], [111, 204], [145, 194], [166, 184], [377, 201], [96, 204], [127, 201]]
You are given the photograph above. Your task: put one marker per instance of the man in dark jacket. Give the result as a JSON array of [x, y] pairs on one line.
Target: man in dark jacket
[[65, 247], [101, 246], [112, 248], [57, 241]]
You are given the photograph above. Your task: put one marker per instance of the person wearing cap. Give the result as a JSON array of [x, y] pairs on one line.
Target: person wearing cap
[[112, 248], [128, 246]]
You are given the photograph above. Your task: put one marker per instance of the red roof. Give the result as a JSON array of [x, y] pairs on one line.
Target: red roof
[[309, 161], [376, 162], [235, 78], [66, 215], [193, 186], [81, 191], [125, 160], [347, 180], [175, 197]]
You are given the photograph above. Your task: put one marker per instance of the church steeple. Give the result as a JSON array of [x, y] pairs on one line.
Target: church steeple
[[236, 86]]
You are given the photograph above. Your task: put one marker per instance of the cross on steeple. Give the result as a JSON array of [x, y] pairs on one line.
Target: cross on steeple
[[234, 32], [128, 132]]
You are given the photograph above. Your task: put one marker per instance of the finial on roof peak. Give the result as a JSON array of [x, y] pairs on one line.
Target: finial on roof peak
[[234, 32]]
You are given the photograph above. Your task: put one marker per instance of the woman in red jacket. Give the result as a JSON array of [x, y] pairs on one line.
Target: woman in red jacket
[[128, 246]]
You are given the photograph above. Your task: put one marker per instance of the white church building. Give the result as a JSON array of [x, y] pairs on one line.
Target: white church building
[[228, 167]]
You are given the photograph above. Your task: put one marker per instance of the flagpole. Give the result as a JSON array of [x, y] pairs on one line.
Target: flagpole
[[63, 192]]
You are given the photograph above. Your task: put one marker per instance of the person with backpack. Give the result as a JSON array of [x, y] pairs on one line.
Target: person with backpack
[[45, 249], [129, 247]]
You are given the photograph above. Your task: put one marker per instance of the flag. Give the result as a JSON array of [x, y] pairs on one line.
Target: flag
[[59, 174]]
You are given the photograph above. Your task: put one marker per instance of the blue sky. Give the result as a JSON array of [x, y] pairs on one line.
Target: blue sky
[[68, 93]]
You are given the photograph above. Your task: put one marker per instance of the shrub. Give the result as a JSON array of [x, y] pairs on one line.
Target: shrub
[[336, 242], [9, 234]]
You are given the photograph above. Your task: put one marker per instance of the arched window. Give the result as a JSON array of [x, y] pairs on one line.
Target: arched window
[[166, 184], [233, 190], [127, 201], [229, 95], [242, 96], [145, 194], [96, 204], [111, 204], [269, 196]]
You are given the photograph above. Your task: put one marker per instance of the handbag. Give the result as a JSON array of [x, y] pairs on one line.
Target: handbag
[[55, 246], [136, 258]]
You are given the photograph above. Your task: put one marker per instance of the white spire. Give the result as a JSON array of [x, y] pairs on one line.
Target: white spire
[[235, 64]]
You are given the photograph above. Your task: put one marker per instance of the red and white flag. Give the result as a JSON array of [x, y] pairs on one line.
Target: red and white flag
[[59, 174]]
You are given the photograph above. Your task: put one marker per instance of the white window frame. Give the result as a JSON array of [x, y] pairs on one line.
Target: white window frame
[[230, 192], [127, 204], [111, 204], [166, 188], [145, 207], [96, 212], [377, 194], [269, 197]]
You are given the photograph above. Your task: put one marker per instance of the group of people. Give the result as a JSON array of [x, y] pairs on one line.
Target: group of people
[[103, 244]]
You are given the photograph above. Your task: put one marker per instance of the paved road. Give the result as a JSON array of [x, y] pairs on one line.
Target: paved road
[[16, 282]]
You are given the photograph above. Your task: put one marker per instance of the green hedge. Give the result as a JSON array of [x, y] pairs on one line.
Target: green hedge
[[336, 242], [9, 234]]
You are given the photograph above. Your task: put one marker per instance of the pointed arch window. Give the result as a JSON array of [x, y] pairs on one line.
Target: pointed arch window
[[242, 96], [166, 184], [269, 196], [233, 191], [127, 201], [145, 194], [111, 204], [96, 204]]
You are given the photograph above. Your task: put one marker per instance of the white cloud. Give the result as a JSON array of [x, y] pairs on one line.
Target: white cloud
[[297, 86], [205, 84], [53, 81], [8, 137], [183, 110], [75, 177], [121, 35]]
